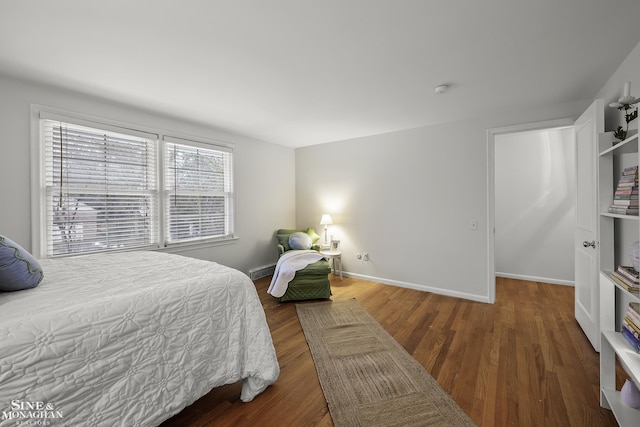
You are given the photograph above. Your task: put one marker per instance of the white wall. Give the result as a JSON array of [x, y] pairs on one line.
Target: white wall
[[408, 197], [264, 172], [535, 205]]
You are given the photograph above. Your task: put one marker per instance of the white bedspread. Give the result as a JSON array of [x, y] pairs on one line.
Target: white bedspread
[[129, 339], [288, 264]]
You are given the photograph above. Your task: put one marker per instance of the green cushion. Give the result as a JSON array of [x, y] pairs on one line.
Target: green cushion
[[314, 236]]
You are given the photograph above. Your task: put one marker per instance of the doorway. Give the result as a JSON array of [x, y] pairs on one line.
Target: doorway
[[530, 208]]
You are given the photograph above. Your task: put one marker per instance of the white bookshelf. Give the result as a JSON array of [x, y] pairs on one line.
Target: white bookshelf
[[617, 232]]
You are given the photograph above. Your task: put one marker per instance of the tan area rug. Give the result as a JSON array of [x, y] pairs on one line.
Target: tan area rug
[[368, 379]]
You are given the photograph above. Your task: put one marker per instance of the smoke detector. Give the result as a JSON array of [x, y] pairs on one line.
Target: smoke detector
[[441, 89]]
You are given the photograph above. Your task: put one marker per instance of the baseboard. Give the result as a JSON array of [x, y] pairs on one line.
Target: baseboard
[[536, 279], [260, 272], [417, 287]]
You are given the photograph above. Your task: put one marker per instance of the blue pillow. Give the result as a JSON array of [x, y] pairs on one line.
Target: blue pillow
[[300, 240], [18, 268]]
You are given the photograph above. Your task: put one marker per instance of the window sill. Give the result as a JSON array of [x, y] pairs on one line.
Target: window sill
[[187, 246]]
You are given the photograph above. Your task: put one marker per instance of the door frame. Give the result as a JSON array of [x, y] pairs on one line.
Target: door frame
[[491, 189]]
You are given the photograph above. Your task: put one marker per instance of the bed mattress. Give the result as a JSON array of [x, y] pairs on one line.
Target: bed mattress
[[129, 339]]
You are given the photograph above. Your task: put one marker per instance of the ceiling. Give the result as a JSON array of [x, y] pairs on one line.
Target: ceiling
[[303, 72]]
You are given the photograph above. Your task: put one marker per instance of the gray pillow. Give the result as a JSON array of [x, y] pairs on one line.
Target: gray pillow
[[18, 268], [300, 240]]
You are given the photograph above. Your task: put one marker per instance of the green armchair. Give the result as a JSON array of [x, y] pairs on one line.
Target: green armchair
[[312, 282]]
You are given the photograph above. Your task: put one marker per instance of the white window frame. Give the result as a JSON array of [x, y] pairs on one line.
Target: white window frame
[[38, 186], [227, 195]]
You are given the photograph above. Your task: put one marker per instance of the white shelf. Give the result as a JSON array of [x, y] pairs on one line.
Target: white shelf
[[627, 356], [620, 216], [626, 416], [623, 147], [634, 295]]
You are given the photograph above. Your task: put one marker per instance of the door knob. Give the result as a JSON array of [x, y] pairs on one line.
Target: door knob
[[587, 244]]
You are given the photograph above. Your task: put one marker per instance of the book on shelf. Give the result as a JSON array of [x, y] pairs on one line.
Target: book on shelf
[[627, 180], [624, 282], [631, 339], [623, 210], [625, 197], [629, 176], [634, 314], [625, 204], [622, 194], [632, 326], [626, 189], [629, 272]]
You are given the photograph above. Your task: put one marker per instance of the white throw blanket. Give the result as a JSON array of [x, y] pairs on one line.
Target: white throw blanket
[[286, 268]]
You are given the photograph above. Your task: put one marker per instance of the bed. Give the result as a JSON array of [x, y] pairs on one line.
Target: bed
[[129, 339]]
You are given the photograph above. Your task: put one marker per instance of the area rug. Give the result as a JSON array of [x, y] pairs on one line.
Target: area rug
[[368, 379]]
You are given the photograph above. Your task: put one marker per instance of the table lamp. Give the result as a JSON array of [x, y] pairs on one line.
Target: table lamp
[[326, 220]]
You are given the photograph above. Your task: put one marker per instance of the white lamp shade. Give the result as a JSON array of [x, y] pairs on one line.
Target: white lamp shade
[[326, 220]]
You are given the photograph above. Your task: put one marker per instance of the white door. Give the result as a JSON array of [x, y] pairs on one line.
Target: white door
[[587, 248]]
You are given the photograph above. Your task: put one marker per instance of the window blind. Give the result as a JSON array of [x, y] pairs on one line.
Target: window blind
[[101, 189], [198, 191]]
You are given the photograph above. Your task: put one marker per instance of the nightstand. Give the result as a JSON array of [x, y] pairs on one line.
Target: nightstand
[[336, 260]]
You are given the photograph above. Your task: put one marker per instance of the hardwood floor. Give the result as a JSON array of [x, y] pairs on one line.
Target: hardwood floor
[[523, 361]]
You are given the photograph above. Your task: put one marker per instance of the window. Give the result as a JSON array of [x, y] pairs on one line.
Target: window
[[198, 191], [105, 187]]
